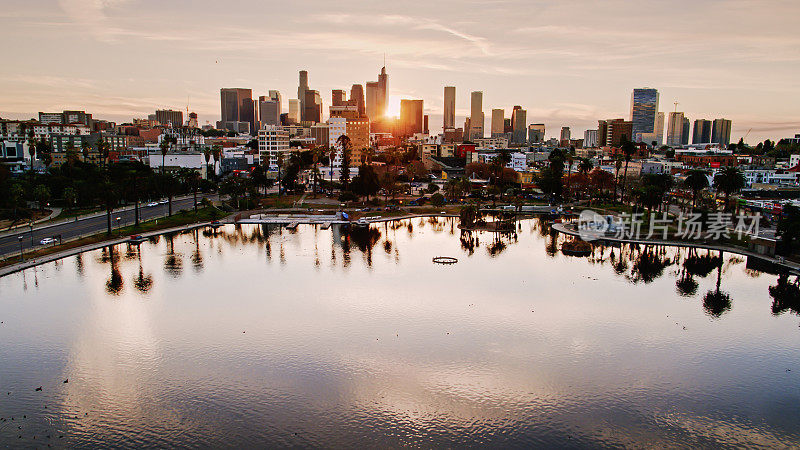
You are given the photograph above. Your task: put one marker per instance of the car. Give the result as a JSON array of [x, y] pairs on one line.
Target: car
[[152, 204], [163, 202], [47, 241]]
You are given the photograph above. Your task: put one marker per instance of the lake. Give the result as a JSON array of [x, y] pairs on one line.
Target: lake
[[254, 336]]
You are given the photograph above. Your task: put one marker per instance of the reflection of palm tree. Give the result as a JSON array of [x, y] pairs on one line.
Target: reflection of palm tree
[[686, 284], [142, 282], [173, 263], [649, 265], [785, 295], [115, 283], [717, 302], [197, 257]]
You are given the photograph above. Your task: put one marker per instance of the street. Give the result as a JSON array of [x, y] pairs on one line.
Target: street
[[10, 243]]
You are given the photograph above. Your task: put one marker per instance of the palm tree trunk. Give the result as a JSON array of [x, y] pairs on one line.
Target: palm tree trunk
[[108, 218], [624, 180]]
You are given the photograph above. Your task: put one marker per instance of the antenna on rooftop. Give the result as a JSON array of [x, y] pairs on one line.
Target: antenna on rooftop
[[676, 106]]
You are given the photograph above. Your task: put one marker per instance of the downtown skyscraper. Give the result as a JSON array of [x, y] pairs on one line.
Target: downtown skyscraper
[[236, 110], [378, 97], [476, 118], [449, 107], [644, 112]]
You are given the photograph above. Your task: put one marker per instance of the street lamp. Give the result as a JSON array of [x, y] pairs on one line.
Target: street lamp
[[21, 255], [118, 219]]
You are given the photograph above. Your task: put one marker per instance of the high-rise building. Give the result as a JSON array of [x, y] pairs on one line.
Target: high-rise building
[[566, 135], [721, 132], [675, 129], [425, 125], [377, 97], [644, 110], [269, 109], [294, 110], [590, 139], [520, 127], [498, 122], [357, 98], [449, 107], [272, 142], [659, 138], [236, 105], [685, 134], [476, 115], [338, 97], [169, 117], [613, 132], [411, 116], [301, 91], [702, 131], [312, 107], [536, 133]]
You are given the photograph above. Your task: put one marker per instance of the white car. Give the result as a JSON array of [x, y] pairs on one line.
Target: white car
[[152, 204], [163, 202], [47, 241]]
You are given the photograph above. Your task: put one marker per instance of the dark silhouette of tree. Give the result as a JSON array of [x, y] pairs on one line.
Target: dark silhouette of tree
[[785, 295], [729, 180]]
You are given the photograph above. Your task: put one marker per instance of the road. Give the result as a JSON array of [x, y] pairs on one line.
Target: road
[[10, 244]]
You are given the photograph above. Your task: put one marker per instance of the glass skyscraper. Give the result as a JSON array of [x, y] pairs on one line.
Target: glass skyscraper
[[644, 110]]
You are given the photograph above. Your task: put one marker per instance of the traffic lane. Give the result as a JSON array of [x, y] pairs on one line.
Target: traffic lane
[[91, 225]]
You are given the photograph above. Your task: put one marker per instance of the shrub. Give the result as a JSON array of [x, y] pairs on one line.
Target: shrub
[[437, 199]]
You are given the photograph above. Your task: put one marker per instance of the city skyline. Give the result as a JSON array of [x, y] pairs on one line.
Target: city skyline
[[552, 71]]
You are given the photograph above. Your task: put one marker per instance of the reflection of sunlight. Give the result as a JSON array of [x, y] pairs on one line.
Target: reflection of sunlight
[[116, 357], [393, 106]]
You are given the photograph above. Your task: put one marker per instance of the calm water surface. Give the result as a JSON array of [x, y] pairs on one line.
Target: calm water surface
[[260, 336]]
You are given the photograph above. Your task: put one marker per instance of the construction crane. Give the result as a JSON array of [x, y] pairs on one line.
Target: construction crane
[[744, 139]]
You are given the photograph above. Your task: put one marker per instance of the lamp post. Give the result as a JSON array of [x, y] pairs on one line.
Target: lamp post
[[21, 255], [118, 227]]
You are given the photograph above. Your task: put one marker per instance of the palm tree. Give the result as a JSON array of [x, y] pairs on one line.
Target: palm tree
[[31, 145], [164, 149], [216, 150], [207, 155], [85, 146], [627, 152], [617, 167], [585, 166], [696, 180], [729, 180], [102, 149], [570, 160]]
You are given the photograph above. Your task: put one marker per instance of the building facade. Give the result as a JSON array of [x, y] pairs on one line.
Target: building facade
[[644, 111]]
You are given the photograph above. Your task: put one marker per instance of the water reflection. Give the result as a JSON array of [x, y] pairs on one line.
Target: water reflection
[[341, 342]]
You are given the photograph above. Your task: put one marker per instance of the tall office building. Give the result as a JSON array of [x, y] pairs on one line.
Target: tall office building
[[312, 107], [536, 133], [357, 99], [644, 111], [476, 115], [659, 134], [338, 97], [377, 97], [236, 107], [301, 91], [685, 134], [449, 107], [613, 132], [269, 109], [566, 135], [702, 131], [498, 122], [294, 110], [590, 139], [169, 117], [520, 128], [721, 132], [425, 125], [675, 129], [411, 116]]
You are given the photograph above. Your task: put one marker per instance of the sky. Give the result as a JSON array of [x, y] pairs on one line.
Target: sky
[[568, 62]]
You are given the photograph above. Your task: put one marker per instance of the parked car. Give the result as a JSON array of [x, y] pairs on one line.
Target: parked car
[[47, 241], [152, 204]]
